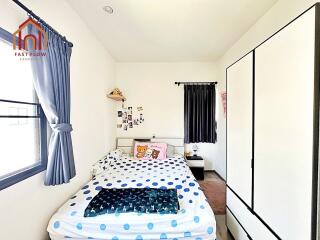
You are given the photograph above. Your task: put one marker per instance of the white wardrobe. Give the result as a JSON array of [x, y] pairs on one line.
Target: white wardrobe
[[273, 135]]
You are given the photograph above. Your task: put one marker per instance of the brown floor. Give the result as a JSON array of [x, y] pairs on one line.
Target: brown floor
[[215, 190]]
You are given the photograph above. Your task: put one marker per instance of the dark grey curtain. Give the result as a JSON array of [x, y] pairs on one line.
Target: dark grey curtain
[[199, 114], [52, 84]]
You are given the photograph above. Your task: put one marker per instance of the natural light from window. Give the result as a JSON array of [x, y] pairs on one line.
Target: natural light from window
[[19, 137]]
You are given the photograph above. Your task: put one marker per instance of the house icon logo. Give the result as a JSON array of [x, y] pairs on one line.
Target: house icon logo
[[39, 42]]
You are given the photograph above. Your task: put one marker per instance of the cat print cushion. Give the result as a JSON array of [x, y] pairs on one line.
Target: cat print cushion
[[149, 150], [102, 164]]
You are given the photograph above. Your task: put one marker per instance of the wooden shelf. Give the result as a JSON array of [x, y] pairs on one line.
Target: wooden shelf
[[116, 97]]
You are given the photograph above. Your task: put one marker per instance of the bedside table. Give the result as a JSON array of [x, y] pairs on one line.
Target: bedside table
[[196, 164]]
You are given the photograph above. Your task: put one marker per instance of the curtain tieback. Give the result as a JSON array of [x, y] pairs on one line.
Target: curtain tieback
[[61, 127]]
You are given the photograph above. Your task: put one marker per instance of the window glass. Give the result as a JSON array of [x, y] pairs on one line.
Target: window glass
[[22, 122], [16, 75], [19, 139]]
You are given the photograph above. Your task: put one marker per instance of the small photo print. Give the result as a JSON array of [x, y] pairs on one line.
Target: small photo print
[[119, 125], [119, 113], [124, 120], [125, 127], [141, 116], [135, 122], [124, 115], [139, 109], [130, 125], [129, 117]]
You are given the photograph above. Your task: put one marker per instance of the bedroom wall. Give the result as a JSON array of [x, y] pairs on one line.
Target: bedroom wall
[[27, 206], [151, 85], [279, 15]]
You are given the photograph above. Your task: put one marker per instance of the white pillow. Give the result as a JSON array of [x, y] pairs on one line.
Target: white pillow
[[116, 153], [105, 161], [170, 151], [178, 155]]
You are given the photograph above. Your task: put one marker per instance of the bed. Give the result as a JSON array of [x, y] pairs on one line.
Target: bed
[[194, 220]]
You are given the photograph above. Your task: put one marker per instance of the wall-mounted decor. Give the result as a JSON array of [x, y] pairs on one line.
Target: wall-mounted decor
[[129, 117], [224, 102], [116, 95]]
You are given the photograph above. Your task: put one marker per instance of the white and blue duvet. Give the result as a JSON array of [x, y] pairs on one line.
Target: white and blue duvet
[[195, 219]]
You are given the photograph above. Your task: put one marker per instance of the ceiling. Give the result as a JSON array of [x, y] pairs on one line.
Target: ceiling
[[170, 30]]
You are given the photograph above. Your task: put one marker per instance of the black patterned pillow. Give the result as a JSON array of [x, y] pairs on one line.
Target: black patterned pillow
[[140, 200]]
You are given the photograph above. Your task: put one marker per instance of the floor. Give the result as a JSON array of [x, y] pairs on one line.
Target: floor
[[215, 191], [220, 218]]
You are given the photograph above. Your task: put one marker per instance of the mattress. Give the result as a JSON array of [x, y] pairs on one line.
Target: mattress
[[195, 219]]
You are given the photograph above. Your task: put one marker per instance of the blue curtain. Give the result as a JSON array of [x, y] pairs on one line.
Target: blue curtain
[[52, 85]]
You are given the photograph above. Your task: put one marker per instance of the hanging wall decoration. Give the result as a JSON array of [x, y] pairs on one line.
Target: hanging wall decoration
[[129, 117], [224, 102]]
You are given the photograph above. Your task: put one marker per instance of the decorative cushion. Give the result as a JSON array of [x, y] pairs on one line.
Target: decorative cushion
[[140, 200], [138, 140], [104, 162], [150, 150]]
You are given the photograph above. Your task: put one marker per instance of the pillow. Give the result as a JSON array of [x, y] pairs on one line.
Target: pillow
[[170, 150], [104, 162], [138, 140], [100, 166], [150, 150], [116, 153], [178, 155]]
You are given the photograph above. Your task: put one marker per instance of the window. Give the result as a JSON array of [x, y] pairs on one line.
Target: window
[[23, 138], [200, 113]]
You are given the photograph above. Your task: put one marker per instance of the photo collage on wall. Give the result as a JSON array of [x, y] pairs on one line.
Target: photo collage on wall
[[130, 118]]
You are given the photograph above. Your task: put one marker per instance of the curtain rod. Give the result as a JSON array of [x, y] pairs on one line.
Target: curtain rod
[[36, 17], [195, 83]]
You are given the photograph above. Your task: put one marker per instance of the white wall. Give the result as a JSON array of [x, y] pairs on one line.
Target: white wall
[[148, 84], [27, 206], [151, 85], [278, 16]]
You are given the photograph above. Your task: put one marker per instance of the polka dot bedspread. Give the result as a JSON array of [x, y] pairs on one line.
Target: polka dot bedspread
[[195, 219]]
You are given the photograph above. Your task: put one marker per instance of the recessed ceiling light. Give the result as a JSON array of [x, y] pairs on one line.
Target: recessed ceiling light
[[108, 9]]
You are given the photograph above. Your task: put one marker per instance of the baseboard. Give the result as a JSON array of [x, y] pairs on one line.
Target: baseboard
[[215, 172]]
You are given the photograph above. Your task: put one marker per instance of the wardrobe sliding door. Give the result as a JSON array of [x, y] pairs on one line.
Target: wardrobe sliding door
[[239, 127], [284, 90]]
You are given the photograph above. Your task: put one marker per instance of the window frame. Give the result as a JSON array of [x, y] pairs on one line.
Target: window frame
[[24, 173]]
